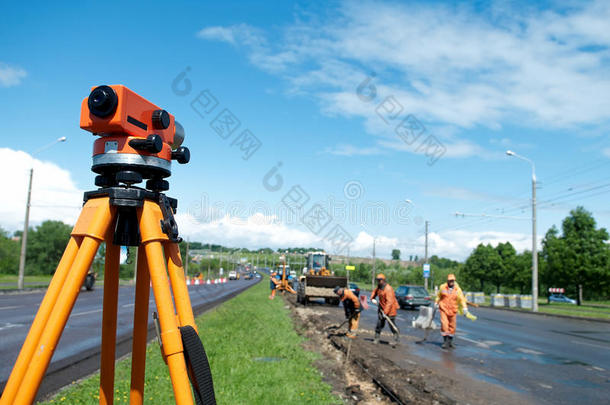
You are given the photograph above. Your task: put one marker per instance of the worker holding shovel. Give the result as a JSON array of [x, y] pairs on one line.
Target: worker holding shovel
[[387, 307], [450, 300], [351, 304]]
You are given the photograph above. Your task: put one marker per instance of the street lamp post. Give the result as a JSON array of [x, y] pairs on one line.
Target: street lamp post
[[26, 222], [534, 244]]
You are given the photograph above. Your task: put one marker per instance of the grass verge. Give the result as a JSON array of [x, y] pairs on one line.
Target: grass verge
[[589, 309], [239, 336]]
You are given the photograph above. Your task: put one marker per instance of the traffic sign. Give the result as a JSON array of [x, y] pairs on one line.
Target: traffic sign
[[426, 270], [350, 267]]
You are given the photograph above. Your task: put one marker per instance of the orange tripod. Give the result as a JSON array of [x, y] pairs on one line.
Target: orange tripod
[[118, 216]]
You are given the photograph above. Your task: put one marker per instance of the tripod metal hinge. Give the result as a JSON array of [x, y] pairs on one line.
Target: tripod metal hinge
[[168, 223]]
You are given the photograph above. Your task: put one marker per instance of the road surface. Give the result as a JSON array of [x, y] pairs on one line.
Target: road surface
[[549, 360], [77, 353]]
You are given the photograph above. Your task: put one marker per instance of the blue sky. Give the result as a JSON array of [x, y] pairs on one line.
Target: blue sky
[[474, 80]]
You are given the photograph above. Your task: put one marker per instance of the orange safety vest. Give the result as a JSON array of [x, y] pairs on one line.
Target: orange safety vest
[[349, 295], [451, 300], [387, 299]]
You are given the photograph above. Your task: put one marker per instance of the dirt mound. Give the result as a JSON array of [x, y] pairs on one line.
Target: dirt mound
[[361, 372]]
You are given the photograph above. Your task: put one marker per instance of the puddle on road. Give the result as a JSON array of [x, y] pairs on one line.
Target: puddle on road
[[492, 350], [580, 384]]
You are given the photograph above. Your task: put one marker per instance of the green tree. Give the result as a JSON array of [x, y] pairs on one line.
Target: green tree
[[508, 256], [395, 254], [484, 265], [579, 257], [46, 245], [522, 274], [9, 253]]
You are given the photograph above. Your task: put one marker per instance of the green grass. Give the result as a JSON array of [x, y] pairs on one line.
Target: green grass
[[12, 278], [247, 327], [589, 309], [42, 281], [584, 310]]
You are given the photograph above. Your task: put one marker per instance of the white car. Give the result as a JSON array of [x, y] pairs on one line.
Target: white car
[[232, 275]]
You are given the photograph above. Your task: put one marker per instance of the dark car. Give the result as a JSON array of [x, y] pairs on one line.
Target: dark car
[[411, 296], [355, 289]]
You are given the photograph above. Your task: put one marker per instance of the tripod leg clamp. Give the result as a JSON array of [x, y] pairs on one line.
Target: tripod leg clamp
[[172, 342]]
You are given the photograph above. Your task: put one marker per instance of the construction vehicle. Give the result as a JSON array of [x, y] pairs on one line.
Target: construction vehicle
[[318, 281], [284, 278]]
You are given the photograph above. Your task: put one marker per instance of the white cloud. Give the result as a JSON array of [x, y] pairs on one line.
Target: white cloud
[[222, 34], [54, 193], [449, 65], [11, 75], [351, 150], [606, 152], [458, 244]]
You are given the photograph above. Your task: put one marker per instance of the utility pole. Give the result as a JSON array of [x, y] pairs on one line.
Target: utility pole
[[26, 223], [534, 247], [135, 264], [426, 255], [346, 270], [374, 267], [24, 235], [186, 260], [534, 244]]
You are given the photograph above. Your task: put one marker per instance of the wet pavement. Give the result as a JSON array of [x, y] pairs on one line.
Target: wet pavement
[[548, 359], [83, 330]]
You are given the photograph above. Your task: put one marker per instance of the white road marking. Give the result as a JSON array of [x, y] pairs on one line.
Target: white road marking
[[589, 344], [10, 325], [128, 305], [476, 342], [528, 351], [401, 318], [13, 307], [88, 312], [492, 342]]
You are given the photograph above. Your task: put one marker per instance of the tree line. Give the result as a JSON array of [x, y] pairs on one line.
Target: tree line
[[577, 256]]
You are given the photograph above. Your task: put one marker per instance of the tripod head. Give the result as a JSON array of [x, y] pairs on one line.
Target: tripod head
[[137, 140]]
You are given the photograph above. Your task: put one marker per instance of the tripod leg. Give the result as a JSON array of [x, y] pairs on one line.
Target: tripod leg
[[92, 225], [57, 322], [170, 335], [46, 306], [109, 321], [181, 294], [140, 330]]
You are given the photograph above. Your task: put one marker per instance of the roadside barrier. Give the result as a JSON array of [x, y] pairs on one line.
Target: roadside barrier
[[497, 300], [479, 298], [513, 301], [525, 301]]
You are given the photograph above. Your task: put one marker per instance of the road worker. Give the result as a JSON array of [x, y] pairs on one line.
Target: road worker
[[273, 284], [450, 301], [386, 304], [351, 305]]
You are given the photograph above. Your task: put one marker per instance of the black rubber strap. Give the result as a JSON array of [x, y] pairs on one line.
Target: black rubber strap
[[198, 367]]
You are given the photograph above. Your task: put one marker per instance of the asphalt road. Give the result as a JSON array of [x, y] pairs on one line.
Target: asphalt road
[[78, 350], [548, 359]]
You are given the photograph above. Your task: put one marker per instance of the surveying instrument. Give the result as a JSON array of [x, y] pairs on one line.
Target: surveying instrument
[[137, 141]]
